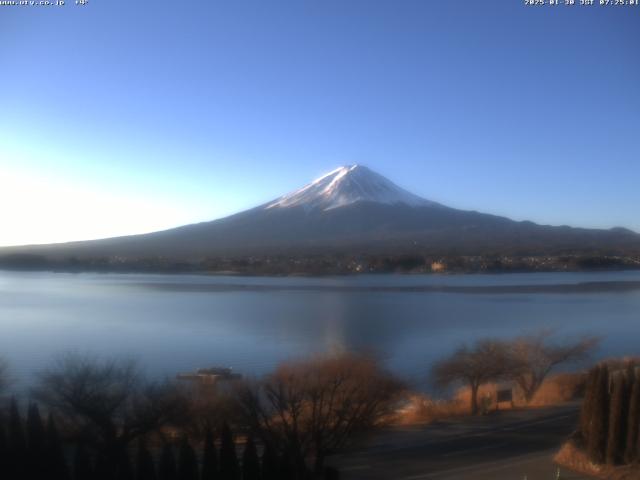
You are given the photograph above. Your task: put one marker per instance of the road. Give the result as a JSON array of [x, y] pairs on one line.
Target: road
[[514, 444]]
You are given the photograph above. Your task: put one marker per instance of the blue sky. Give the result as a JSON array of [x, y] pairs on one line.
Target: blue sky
[[123, 117]]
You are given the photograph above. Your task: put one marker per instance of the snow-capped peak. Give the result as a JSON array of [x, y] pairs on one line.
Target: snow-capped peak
[[345, 186]]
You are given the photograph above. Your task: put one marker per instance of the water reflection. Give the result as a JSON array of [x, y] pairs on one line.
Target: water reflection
[[182, 328]]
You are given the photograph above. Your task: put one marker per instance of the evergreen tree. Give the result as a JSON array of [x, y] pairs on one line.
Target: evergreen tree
[[633, 424], [104, 469], [331, 473], [285, 468], [36, 444], [146, 469], [187, 461], [270, 470], [250, 461], [3, 447], [56, 463], [209, 458], [586, 413], [167, 470], [124, 470], [16, 444], [597, 441], [229, 469], [82, 468], [617, 422]]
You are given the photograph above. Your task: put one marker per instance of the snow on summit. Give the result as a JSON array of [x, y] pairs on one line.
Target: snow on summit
[[345, 186]]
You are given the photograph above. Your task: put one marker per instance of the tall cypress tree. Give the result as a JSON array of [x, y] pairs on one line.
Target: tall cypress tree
[[285, 468], [168, 469], [633, 424], [56, 462], [82, 467], [586, 413], [145, 466], [270, 470], [617, 422], [104, 468], [3, 448], [124, 470], [36, 444], [209, 458], [187, 461], [597, 441], [250, 461], [16, 444], [331, 473], [229, 469]]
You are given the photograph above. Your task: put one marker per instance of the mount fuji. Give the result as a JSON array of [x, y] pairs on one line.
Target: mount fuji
[[350, 210]]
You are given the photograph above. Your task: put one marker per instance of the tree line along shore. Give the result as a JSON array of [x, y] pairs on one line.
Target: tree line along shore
[[330, 264]]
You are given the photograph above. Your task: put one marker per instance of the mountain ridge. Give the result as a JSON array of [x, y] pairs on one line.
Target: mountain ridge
[[350, 210]]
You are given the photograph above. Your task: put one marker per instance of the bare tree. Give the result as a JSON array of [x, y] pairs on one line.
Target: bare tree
[[311, 408], [107, 404], [483, 362], [533, 357], [209, 408]]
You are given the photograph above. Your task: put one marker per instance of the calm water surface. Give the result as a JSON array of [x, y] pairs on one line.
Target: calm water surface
[[174, 323]]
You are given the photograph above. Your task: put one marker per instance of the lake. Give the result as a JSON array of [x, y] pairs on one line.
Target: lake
[[177, 323]]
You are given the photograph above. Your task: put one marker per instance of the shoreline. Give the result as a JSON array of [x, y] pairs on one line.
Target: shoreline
[[559, 288], [303, 274]]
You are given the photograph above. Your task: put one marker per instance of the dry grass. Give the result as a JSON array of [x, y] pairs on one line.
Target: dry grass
[[556, 390], [560, 388], [421, 408], [424, 409], [572, 457]]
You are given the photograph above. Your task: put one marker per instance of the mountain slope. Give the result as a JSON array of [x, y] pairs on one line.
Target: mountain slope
[[350, 210]]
